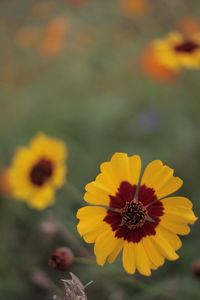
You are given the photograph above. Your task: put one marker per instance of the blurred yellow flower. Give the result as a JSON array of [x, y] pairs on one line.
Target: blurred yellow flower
[[37, 170], [178, 51], [134, 7], [135, 216]]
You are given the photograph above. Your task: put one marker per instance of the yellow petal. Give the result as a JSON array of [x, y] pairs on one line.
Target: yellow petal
[[171, 237], [141, 259], [18, 174], [135, 168], [104, 245], [22, 157], [42, 198], [164, 246], [174, 226], [160, 178], [91, 236], [128, 257], [96, 194], [44, 145], [179, 210], [91, 220], [126, 168], [87, 212], [151, 173], [91, 225], [58, 177], [175, 37], [121, 167], [181, 216], [171, 186], [152, 251], [108, 178], [177, 202], [113, 255]]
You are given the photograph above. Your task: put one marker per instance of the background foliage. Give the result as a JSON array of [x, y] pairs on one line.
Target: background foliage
[[92, 94]]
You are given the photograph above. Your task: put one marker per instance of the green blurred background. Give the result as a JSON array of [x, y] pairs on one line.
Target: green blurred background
[[91, 93]]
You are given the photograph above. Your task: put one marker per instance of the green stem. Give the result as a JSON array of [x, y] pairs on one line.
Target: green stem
[[85, 260], [130, 280], [74, 190], [133, 281], [75, 244], [143, 286]]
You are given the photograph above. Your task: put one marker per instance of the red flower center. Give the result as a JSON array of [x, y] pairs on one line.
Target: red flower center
[[187, 47], [133, 214], [41, 171], [133, 219]]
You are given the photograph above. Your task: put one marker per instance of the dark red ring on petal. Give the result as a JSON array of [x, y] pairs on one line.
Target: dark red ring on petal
[[146, 196], [187, 47]]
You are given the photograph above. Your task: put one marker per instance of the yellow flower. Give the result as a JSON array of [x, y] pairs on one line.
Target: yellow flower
[[178, 51], [37, 170], [138, 219]]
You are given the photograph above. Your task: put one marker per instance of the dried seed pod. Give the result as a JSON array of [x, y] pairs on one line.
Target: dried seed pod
[[74, 289]]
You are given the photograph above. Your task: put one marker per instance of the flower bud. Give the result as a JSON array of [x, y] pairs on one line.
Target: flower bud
[[196, 268], [61, 259], [49, 228]]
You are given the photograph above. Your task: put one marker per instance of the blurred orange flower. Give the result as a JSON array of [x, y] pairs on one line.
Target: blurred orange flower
[[76, 2], [154, 69], [43, 9], [134, 7], [5, 186], [54, 35], [10, 74], [27, 36], [189, 25]]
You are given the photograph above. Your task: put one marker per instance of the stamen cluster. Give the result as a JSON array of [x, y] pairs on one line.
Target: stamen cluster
[[134, 214]]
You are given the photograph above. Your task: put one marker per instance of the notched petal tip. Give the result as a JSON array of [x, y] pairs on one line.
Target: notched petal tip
[[136, 156], [194, 220], [118, 155], [129, 272], [146, 274], [79, 212], [79, 229], [179, 180], [100, 262], [87, 187], [175, 257]]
